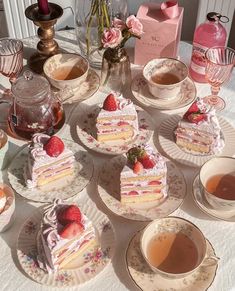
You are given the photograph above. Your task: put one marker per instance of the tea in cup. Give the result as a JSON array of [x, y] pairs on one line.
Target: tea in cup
[[3, 149], [217, 183], [174, 247], [164, 77]]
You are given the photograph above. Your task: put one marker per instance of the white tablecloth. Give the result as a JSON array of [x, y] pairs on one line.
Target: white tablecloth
[[115, 277]]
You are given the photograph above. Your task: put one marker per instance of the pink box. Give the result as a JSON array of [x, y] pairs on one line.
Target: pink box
[[161, 34]]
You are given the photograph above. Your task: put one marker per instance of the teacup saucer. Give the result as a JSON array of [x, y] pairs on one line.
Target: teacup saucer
[[141, 93], [84, 91], [205, 206], [146, 279]]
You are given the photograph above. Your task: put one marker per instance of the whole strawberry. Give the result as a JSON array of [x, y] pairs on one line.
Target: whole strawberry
[[147, 161], [192, 109], [69, 214], [54, 146], [110, 103]]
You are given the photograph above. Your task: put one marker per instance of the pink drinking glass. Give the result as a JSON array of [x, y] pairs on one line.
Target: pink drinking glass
[[220, 61], [11, 58]]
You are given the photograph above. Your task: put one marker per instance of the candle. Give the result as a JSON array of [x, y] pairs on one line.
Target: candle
[[43, 7]]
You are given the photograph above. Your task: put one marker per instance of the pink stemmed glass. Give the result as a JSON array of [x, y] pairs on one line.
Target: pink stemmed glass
[[220, 61], [11, 58]]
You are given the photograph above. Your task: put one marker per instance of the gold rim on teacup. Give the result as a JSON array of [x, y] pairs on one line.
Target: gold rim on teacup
[[162, 66], [173, 224], [216, 166], [62, 61]]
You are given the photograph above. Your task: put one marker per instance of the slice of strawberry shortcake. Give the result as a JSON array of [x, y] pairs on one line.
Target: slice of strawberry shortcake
[[199, 130], [117, 120], [64, 235], [143, 178]]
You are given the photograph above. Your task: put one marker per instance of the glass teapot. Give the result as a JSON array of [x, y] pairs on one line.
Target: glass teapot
[[34, 108]]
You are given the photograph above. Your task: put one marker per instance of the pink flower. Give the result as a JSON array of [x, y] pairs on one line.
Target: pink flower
[[118, 23], [134, 25], [111, 37]]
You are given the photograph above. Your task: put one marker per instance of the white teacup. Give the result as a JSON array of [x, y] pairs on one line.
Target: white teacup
[[3, 149], [217, 166], [164, 77], [66, 70], [176, 227], [7, 215]]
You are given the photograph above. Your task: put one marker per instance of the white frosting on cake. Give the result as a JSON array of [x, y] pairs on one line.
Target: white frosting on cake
[[52, 241], [38, 158]]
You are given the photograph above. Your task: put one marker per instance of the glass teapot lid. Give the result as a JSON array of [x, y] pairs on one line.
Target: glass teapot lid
[[30, 87]]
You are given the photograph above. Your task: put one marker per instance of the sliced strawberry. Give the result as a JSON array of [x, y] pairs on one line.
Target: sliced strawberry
[[71, 229], [69, 214], [54, 146], [133, 193], [138, 167], [120, 123], [154, 183], [196, 117], [110, 103], [193, 108], [147, 162]]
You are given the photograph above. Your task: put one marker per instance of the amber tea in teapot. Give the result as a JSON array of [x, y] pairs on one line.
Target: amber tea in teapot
[[34, 107]]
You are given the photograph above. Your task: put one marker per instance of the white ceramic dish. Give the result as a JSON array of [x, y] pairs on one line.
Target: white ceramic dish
[[63, 188], [166, 140], [146, 279], [109, 191], [140, 91], [79, 270]]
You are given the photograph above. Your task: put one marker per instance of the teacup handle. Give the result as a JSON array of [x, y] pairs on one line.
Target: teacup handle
[[210, 261], [64, 94]]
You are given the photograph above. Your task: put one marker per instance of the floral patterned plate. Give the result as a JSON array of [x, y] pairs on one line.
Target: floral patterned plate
[[63, 188], [84, 91], [79, 271], [141, 93], [167, 142], [146, 279], [86, 130], [109, 191], [205, 206]]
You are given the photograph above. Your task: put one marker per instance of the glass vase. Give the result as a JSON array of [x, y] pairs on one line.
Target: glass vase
[[91, 18], [116, 71]]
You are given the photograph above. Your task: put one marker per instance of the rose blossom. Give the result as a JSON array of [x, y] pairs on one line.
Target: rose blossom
[[134, 25], [112, 37], [118, 23]]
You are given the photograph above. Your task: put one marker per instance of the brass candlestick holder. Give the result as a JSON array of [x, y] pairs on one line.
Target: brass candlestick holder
[[47, 46]]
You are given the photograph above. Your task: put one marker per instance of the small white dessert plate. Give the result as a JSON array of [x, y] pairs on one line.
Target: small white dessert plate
[[63, 188], [86, 130], [84, 91], [109, 191], [146, 279], [80, 270], [167, 142], [206, 207], [141, 93]]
